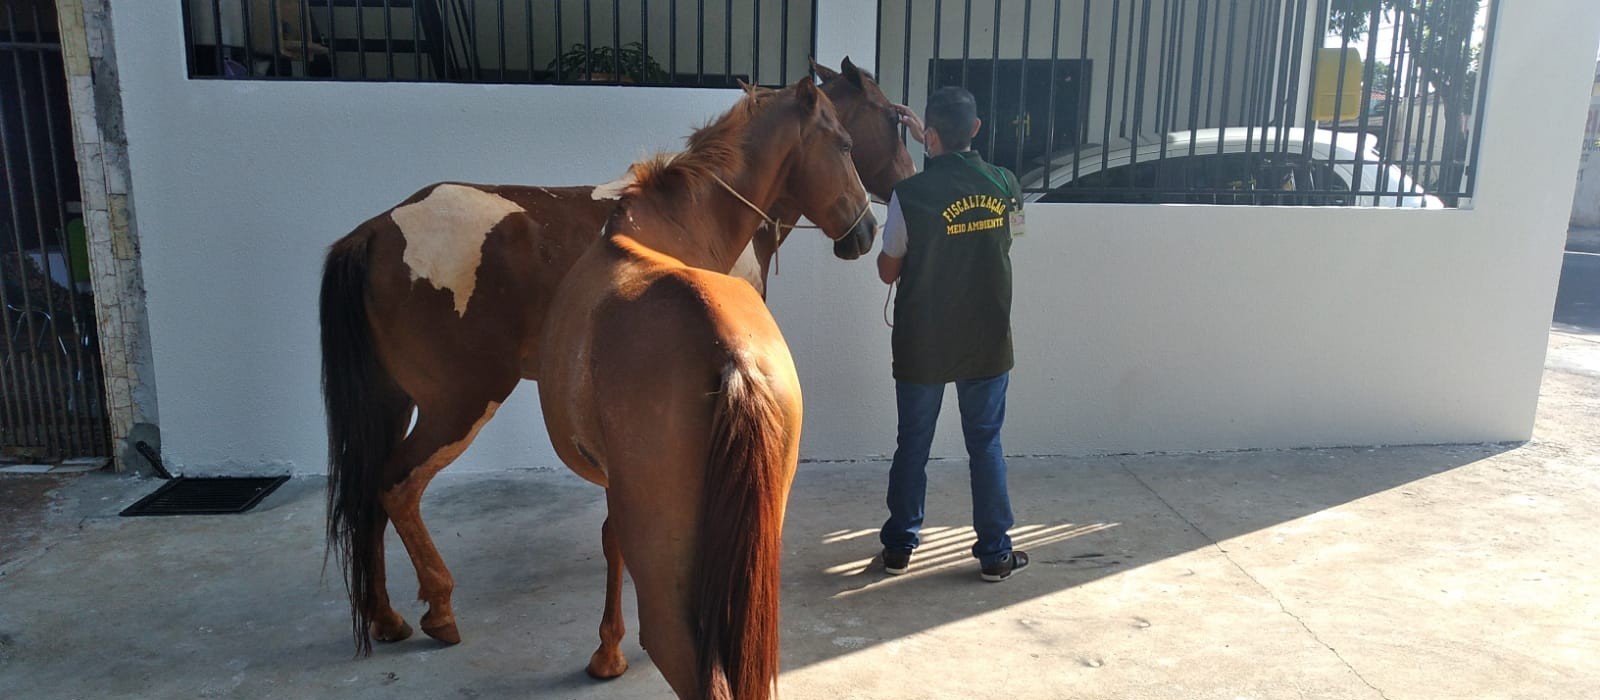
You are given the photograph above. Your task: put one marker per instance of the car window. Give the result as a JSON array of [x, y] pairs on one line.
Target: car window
[[1124, 184], [1285, 179]]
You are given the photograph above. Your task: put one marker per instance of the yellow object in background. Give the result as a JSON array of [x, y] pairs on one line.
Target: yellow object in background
[[1326, 90]]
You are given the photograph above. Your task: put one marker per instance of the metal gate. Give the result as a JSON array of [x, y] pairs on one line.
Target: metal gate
[[52, 401]]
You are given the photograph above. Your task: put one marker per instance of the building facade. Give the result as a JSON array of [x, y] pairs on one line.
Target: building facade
[[1138, 327]]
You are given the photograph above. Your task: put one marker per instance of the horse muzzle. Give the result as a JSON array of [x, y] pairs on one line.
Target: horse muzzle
[[858, 240]]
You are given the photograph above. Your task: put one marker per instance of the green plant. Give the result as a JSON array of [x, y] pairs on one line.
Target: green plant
[[628, 62]]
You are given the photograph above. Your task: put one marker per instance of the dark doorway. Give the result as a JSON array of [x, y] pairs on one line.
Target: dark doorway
[[1030, 108]]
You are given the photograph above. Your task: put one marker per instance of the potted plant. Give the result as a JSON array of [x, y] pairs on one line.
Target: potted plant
[[603, 64]]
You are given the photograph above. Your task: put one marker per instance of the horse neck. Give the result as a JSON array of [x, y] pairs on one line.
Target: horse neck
[[709, 227]]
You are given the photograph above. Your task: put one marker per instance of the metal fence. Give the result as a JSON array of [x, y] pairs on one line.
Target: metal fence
[[51, 400], [692, 43], [1293, 102]]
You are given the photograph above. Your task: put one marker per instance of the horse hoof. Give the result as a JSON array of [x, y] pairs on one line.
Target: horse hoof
[[391, 633], [446, 633], [607, 667]]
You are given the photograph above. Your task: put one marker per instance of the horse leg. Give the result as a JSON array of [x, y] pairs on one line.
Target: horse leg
[[655, 535], [607, 661], [438, 440], [387, 625]]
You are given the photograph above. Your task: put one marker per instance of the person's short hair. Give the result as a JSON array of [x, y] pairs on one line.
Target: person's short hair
[[952, 112]]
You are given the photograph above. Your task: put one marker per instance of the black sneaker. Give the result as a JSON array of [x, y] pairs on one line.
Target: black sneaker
[[995, 573], [896, 561]]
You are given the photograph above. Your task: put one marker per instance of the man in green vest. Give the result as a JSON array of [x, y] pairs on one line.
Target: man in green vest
[[947, 241]]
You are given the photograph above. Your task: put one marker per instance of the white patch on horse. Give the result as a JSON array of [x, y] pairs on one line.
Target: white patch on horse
[[613, 189], [748, 268], [445, 233]]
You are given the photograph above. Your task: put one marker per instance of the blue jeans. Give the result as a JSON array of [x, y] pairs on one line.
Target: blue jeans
[[983, 409]]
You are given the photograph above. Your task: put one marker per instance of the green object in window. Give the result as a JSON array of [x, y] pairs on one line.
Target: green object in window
[[78, 250]]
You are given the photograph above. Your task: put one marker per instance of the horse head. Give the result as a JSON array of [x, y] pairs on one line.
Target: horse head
[[822, 182], [879, 154]]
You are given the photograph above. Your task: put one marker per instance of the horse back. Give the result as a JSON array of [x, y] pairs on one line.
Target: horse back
[[463, 275], [690, 317], [627, 313]]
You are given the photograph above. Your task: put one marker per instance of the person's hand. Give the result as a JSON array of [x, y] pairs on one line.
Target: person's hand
[[911, 121]]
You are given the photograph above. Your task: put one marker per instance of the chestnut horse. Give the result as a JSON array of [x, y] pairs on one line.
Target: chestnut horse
[[436, 306], [670, 386]]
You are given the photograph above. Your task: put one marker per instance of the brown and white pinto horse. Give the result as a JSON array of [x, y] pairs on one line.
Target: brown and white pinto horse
[[671, 386], [437, 305]]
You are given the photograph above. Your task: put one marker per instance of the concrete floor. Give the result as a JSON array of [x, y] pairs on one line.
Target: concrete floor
[[1422, 572]]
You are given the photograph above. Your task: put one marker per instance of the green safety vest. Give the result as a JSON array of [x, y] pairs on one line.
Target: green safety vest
[[952, 313]]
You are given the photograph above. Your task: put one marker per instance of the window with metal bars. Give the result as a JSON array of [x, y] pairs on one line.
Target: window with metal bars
[[689, 43], [1303, 102]]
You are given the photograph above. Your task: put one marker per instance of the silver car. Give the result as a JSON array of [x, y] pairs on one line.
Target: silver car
[[1235, 165]]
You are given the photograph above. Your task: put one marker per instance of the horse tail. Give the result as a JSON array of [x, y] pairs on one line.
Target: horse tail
[[740, 540], [366, 419]]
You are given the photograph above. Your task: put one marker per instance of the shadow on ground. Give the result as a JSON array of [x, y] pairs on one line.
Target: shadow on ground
[[1082, 520]]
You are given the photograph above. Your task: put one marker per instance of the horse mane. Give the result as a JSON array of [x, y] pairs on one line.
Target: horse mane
[[714, 150]]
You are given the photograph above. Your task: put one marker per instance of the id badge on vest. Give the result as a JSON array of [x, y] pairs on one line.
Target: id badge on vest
[[1017, 224]]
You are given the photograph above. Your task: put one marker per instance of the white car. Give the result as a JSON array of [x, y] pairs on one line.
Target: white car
[[1235, 165]]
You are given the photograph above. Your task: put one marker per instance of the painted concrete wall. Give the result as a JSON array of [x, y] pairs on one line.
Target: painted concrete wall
[[1139, 328]]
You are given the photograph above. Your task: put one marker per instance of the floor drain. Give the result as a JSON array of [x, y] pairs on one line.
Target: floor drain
[[220, 495]]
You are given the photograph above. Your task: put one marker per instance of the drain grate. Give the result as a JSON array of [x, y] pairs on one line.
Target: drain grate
[[220, 495]]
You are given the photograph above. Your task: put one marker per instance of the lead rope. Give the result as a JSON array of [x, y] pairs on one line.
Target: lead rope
[[767, 219], [886, 298]]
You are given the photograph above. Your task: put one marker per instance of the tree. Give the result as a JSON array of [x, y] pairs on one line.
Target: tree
[[1437, 52], [1382, 76]]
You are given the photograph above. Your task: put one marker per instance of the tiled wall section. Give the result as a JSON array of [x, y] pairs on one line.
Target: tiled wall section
[[102, 147]]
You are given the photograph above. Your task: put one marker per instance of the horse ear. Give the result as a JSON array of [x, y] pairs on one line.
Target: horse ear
[[822, 72], [746, 87], [807, 92], [852, 73]]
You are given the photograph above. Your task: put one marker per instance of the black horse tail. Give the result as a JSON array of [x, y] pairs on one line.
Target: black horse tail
[[367, 417]]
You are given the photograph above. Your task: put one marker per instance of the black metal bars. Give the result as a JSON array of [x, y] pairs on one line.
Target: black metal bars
[[1211, 100], [620, 42], [51, 396]]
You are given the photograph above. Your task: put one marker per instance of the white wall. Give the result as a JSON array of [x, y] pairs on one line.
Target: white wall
[[1139, 328]]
